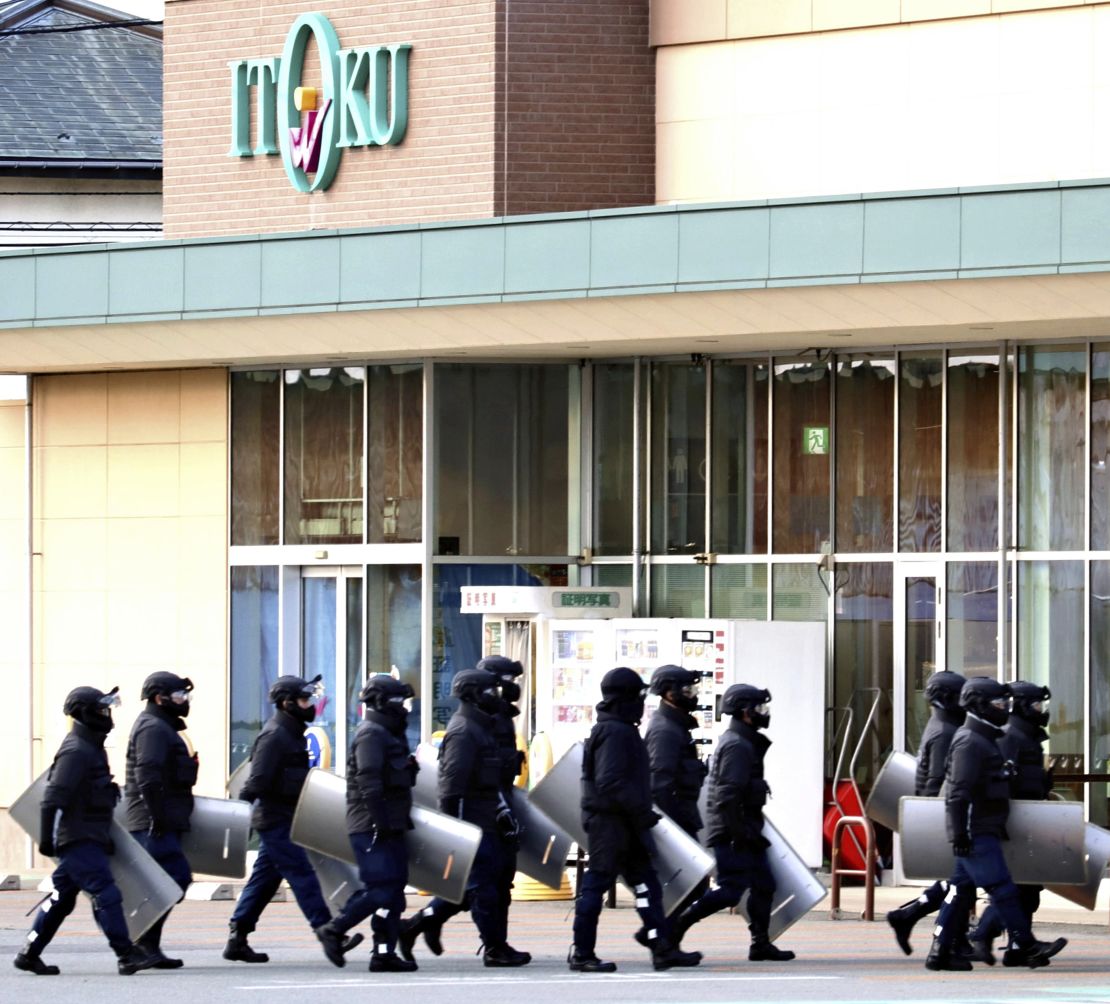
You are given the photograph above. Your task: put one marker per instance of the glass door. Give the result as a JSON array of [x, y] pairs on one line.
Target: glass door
[[331, 645], [918, 645]]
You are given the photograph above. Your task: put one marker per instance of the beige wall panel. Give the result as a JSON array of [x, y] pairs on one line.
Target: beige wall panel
[[923, 10], [143, 480], [1006, 6], [71, 410], [143, 630], [144, 407], [71, 482], [13, 491], [142, 554], [203, 627], [12, 423], [75, 634], [701, 77], [768, 17], [833, 14], [13, 554], [712, 175], [202, 554], [688, 21], [74, 554], [203, 479], [204, 406], [977, 101]]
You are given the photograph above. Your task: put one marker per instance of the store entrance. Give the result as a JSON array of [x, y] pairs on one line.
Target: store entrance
[[331, 612]]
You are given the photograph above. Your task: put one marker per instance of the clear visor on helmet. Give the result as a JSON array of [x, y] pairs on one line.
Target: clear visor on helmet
[[1002, 703], [494, 690], [400, 702], [313, 691], [109, 701], [1039, 706], [690, 690], [182, 696], [762, 709]]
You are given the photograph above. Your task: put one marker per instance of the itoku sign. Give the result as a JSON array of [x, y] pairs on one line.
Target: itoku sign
[[351, 107]]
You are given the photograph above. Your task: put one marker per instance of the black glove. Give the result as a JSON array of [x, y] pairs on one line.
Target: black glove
[[646, 820], [157, 828], [961, 845], [506, 822], [1009, 769], [46, 847], [46, 832]]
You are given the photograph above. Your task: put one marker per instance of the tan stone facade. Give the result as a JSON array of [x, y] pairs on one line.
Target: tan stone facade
[[513, 108]]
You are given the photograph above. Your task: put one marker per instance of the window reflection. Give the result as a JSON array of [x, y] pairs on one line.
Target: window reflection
[[678, 467], [1100, 690], [678, 591], [740, 444], [254, 653], [920, 402], [801, 457], [973, 388], [255, 465], [972, 614], [395, 452], [612, 458]]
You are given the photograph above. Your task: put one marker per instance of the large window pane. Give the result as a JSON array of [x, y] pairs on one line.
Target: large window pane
[[738, 591], [1100, 448], [972, 615], [356, 650], [395, 452], [1050, 649], [612, 458], [319, 656], [865, 455], [254, 654], [801, 451], [677, 458], [457, 637], [613, 575], [801, 593], [255, 465], [739, 443], [677, 591], [393, 629], [323, 456], [1100, 690], [1052, 427], [863, 665], [502, 459], [920, 406], [973, 452]]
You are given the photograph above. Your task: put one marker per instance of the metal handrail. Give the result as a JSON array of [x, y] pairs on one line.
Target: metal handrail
[[868, 871]]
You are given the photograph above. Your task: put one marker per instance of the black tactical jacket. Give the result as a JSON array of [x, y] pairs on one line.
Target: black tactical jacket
[[160, 773], [1021, 744], [737, 789], [279, 766], [932, 754], [616, 793], [977, 796], [512, 759], [80, 794], [470, 766], [380, 775], [676, 771]]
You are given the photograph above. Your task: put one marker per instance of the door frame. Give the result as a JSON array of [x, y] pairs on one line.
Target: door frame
[[905, 570]]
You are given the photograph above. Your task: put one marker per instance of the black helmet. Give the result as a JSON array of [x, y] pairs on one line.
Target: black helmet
[[986, 698], [92, 707], [741, 697], [942, 690], [506, 670], [290, 688], [385, 694], [165, 684], [1029, 699], [680, 684], [622, 682], [478, 687]]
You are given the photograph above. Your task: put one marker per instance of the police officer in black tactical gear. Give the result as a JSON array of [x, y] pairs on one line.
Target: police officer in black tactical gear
[[617, 815], [278, 768], [75, 828], [161, 773], [381, 773], [508, 671], [471, 772], [1022, 745], [977, 802], [738, 792], [942, 691]]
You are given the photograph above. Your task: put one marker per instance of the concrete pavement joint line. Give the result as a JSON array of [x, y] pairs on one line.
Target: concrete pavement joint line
[[471, 981]]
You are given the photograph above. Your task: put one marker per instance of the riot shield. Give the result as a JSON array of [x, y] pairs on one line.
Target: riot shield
[[680, 862], [544, 846], [1046, 844], [441, 849], [338, 879], [896, 780], [1096, 846], [238, 779], [148, 892]]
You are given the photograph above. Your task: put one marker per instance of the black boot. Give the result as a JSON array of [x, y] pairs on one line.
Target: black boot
[[680, 925], [982, 950], [151, 943], [941, 957], [1034, 955], [134, 959], [762, 950], [903, 920], [424, 923], [382, 961], [29, 962], [336, 943], [505, 957], [588, 962], [237, 949], [664, 955]]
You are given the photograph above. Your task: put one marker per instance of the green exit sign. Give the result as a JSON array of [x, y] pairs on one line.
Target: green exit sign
[[815, 440], [590, 601]]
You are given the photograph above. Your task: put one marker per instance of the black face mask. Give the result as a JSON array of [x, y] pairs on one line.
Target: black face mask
[[680, 700], [510, 691], [489, 703], [305, 715], [760, 721], [96, 722], [995, 716], [177, 710]]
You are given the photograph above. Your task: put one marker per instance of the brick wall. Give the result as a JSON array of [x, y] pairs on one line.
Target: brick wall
[[444, 169], [514, 107], [580, 106]]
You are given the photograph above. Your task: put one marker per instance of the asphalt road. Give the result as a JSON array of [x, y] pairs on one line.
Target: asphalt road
[[843, 961]]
